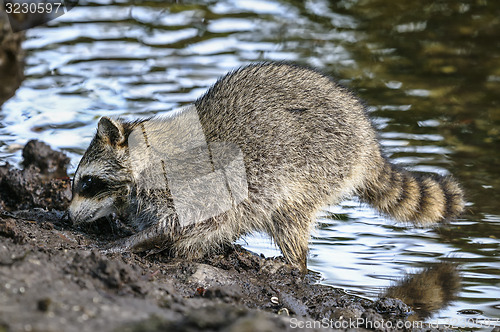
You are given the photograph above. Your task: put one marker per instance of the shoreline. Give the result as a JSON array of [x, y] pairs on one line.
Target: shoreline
[[56, 278]]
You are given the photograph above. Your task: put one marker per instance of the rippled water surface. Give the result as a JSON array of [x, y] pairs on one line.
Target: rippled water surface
[[429, 71]]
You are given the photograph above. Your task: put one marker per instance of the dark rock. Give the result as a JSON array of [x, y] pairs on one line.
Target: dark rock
[[25, 189], [44, 304], [43, 182], [50, 162], [392, 306]]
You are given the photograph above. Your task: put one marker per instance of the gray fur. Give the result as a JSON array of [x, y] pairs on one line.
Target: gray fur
[[306, 142]]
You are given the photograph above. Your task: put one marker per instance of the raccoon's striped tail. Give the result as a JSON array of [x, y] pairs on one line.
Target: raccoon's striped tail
[[408, 197]]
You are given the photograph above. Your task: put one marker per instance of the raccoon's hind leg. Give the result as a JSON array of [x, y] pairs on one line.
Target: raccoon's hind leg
[[290, 230]]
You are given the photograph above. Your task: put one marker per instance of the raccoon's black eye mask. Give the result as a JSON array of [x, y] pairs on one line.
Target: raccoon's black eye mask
[[90, 186]]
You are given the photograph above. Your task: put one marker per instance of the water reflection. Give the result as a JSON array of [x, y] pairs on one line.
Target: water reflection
[[444, 58], [429, 290], [429, 71], [11, 59]]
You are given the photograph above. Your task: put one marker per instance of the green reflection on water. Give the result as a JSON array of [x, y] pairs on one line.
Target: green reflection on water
[[445, 55]]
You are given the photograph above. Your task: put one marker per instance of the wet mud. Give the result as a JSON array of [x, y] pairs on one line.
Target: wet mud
[[54, 277]]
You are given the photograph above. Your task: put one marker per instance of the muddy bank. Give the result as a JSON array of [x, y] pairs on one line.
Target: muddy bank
[[55, 278]]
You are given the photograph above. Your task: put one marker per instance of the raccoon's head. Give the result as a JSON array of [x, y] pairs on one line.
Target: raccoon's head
[[102, 182]]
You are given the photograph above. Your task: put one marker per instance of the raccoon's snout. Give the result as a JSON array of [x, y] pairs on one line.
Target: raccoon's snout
[[76, 217], [91, 200], [85, 210]]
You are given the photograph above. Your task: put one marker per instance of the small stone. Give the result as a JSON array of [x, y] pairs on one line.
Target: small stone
[[44, 304]]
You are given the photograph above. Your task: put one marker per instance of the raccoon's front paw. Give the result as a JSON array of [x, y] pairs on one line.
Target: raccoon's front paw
[[118, 246]]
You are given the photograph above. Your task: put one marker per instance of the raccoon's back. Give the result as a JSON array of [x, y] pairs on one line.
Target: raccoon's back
[[301, 130], [289, 117]]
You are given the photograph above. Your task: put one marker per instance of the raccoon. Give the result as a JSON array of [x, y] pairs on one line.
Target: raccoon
[[301, 140]]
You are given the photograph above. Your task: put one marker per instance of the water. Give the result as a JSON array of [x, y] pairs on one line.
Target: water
[[429, 71]]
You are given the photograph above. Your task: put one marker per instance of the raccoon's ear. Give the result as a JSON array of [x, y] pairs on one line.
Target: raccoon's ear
[[111, 130]]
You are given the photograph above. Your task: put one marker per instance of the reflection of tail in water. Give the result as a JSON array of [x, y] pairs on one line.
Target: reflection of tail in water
[[428, 291]]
